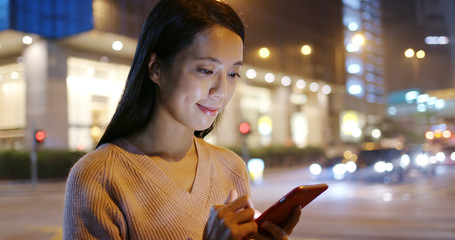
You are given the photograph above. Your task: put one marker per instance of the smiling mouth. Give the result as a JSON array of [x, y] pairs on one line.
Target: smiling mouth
[[211, 111]]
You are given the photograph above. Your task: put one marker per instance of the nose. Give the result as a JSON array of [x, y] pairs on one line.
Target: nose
[[219, 87]]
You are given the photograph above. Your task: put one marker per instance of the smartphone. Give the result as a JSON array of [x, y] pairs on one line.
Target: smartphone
[[281, 210]]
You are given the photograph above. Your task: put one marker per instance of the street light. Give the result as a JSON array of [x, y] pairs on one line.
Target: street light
[[409, 53], [420, 54], [306, 49], [264, 52]]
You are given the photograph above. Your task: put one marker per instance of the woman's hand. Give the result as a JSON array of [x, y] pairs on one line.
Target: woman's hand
[[234, 220], [276, 232]]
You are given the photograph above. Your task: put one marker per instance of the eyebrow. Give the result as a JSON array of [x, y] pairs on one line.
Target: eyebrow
[[216, 60]]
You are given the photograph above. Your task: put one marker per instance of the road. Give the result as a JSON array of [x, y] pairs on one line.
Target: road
[[421, 208]]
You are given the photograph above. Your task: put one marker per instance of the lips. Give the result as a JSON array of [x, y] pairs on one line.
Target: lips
[[211, 111]]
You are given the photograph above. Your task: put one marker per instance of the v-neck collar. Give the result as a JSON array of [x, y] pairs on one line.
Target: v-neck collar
[[201, 184]]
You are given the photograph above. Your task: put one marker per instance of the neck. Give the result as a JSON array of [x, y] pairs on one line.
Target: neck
[[170, 144]]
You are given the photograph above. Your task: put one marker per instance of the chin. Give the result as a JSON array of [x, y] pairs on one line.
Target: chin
[[203, 123], [202, 127]]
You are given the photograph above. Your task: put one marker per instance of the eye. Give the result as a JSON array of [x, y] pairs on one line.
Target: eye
[[234, 75], [204, 71]]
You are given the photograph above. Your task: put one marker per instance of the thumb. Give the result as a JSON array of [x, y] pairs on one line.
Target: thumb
[[232, 196]]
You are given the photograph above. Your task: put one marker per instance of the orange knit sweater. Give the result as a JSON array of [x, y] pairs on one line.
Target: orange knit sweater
[[117, 192]]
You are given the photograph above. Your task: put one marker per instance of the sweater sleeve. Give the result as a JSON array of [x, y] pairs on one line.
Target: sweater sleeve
[[89, 210]]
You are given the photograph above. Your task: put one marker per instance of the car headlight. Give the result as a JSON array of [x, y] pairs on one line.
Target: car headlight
[[440, 156], [452, 156], [380, 167], [389, 167], [422, 160], [339, 171], [315, 169], [351, 166], [405, 160]]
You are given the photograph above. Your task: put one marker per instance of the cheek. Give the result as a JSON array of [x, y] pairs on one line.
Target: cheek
[[231, 91], [191, 91]]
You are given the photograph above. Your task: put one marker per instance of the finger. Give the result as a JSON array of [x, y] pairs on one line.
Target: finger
[[292, 221], [232, 196], [275, 230], [248, 230], [238, 204], [217, 207], [243, 216]]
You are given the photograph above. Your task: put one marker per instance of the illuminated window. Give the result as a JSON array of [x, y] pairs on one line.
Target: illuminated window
[[352, 3], [351, 124], [90, 102], [354, 68], [351, 47], [392, 111], [421, 107], [265, 126], [355, 87], [354, 65], [411, 96], [299, 129], [12, 96], [437, 40], [353, 26]]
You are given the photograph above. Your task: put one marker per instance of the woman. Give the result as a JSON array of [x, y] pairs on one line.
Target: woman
[[152, 176]]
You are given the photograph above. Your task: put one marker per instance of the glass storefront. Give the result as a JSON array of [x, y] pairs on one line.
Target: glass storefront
[[255, 104], [94, 89], [12, 106]]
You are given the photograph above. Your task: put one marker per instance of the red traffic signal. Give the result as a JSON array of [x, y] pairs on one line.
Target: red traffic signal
[[244, 128], [40, 136]]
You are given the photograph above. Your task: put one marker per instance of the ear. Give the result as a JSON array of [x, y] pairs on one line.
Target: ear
[[154, 68]]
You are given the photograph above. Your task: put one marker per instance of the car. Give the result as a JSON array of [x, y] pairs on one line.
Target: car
[[337, 168], [380, 165], [446, 156], [415, 158]]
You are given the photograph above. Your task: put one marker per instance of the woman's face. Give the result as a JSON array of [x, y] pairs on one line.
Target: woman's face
[[201, 80]]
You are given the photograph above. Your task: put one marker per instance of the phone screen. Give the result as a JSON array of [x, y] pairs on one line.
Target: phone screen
[[281, 210]]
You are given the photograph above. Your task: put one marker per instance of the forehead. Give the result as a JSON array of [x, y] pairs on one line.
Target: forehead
[[216, 42]]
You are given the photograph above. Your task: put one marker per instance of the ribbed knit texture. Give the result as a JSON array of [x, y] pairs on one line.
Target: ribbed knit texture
[[117, 192]]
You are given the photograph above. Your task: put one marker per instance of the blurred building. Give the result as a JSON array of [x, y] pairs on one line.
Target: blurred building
[[420, 48], [365, 100], [306, 80], [420, 25]]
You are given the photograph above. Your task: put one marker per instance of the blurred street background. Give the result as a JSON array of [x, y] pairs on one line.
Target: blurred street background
[[359, 94], [419, 208]]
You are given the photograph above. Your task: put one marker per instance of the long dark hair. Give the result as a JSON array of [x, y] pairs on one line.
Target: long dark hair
[[169, 28]]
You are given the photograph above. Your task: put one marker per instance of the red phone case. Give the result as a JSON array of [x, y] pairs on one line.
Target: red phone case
[[282, 209]]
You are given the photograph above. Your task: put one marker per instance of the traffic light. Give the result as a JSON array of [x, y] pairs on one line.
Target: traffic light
[[40, 136], [244, 128]]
